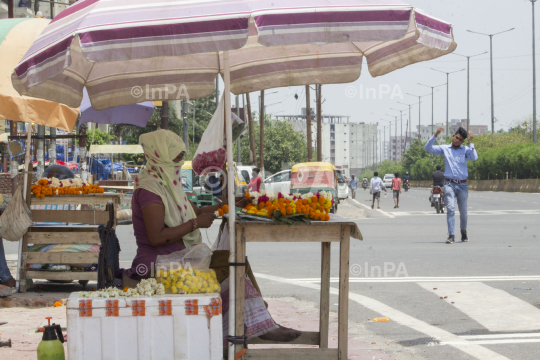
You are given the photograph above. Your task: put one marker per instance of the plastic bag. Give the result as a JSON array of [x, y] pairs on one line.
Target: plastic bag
[[187, 271], [211, 153], [17, 217], [238, 127]]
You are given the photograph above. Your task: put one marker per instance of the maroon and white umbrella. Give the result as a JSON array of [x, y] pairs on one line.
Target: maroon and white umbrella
[[128, 51]]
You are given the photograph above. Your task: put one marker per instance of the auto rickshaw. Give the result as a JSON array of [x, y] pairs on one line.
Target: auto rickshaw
[[191, 183], [315, 177]]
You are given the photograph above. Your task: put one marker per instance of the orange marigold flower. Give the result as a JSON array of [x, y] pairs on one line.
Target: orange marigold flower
[[268, 203], [225, 209], [220, 211], [314, 199], [304, 201], [321, 200], [248, 195], [57, 304], [126, 289]]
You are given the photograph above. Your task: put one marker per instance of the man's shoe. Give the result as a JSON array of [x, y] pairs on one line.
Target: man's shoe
[[464, 237], [450, 239], [372, 206]]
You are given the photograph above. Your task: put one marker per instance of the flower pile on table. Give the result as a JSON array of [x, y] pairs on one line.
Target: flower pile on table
[[53, 186], [188, 281], [315, 206], [147, 287]]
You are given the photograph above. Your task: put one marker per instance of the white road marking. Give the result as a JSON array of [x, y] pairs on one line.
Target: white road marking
[[470, 348], [369, 207], [489, 342], [473, 213], [499, 336], [427, 279], [494, 309]]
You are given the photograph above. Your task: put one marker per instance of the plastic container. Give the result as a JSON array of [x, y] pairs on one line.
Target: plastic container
[[165, 327]]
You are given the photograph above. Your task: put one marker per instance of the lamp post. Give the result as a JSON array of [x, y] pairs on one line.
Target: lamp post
[[419, 113], [534, 74], [395, 131], [433, 87], [468, 86], [401, 133], [447, 91], [389, 138], [491, 70], [410, 117]]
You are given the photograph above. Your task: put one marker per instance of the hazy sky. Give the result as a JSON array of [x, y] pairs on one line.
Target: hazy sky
[[512, 53]]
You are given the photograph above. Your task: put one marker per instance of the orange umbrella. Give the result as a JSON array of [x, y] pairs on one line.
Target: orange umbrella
[[16, 37]]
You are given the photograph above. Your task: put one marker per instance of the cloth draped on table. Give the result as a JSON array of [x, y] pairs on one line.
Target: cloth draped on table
[[162, 177]]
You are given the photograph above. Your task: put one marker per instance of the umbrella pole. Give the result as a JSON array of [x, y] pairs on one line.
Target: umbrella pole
[[230, 195], [27, 168]]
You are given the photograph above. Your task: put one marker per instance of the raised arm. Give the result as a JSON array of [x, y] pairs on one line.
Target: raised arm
[[434, 149], [470, 153]]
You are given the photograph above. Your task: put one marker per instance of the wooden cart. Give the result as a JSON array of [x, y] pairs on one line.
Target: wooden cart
[[77, 234], [338, 230]]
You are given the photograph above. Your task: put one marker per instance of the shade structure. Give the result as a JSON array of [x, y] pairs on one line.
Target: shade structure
[[16, 37], [126, 52], [135, 114]]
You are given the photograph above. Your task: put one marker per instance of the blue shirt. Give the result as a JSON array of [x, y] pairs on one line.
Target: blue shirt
[[455, 160], [353, 183]]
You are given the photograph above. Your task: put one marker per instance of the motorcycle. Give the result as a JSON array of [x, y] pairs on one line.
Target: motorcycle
[[364, 185], [406, 186], [437, 199]]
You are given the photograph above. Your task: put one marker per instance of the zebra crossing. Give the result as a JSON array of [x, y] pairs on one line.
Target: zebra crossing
[[504, 318]]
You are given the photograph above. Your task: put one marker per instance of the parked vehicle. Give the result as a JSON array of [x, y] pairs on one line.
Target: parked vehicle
[[280, 182], [437, 199], [191, 183], [387, 180], [343, 187], [315, 177]]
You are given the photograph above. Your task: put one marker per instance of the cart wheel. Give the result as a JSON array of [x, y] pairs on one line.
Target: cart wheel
[[83, 282]]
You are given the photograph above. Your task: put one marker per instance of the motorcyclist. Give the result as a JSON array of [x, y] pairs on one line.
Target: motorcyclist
[[438, 180], [406, 177], [365, 183]]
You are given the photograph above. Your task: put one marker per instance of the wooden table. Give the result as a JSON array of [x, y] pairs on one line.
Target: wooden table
[[339, 230], [65, 235]]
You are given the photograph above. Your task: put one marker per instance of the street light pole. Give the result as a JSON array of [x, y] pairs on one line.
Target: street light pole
[[468, 84], [419, 113], [447, 92], [401, 133], [534, 74], [410, 119], [432, 107], [491, 71], [395, 130], [389, 139]]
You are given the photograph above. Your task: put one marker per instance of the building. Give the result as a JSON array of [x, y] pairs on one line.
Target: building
[[475, 129], [349, 146], [427, 131], [397, 146]]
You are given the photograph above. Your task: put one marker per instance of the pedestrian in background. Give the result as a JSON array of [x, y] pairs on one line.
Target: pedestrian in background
[[353, 185], [375, 189], [455, 174], [5, 275], [396, 189]]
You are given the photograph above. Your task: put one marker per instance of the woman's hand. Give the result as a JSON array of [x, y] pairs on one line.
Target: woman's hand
[[205, 220]]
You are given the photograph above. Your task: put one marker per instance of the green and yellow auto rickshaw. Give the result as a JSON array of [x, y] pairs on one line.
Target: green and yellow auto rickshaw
[[191, 182], [315, 177]]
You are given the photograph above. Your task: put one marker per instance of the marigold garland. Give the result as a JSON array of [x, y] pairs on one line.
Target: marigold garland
[[49, 187], [314, 206]]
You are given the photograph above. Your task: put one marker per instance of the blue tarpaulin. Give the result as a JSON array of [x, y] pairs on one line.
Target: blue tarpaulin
[[117, 166]]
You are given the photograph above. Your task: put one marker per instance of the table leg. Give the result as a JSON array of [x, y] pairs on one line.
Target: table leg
[[240, 284], [324, 319], [343, 312]]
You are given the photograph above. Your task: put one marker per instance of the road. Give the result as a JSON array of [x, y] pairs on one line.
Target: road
[[403, 268]]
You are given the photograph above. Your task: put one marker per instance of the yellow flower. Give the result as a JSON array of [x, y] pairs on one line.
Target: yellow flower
[[174, 290]]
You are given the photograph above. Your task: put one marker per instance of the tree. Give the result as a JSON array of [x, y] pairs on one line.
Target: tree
[[97, 137], [282, 144]]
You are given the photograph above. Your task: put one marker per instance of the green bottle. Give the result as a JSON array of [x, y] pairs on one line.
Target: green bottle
[[50, 347]]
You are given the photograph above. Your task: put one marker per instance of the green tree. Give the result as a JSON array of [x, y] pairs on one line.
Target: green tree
[[97, 137], [282, 144]]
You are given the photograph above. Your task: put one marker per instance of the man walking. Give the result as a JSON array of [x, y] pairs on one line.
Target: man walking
[[353, 185], [396, 189], [455, 177], [375, 189]]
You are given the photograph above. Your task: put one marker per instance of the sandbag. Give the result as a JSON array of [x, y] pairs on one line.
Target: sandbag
[[17, 217]]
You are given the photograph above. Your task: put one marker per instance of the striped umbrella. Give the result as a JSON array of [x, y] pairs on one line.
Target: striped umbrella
[[126, 52], [16, 37]]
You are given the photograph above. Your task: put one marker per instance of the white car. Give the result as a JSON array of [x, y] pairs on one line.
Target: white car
[[280, 182], [343, 187], [387, 180]]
